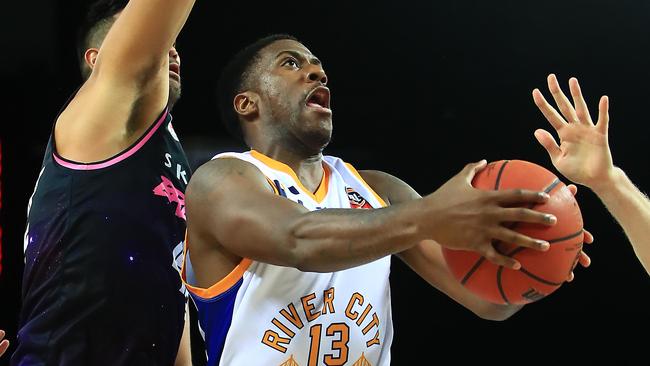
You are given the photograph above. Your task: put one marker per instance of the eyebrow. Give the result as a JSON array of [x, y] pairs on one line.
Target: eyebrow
[[312, 60]]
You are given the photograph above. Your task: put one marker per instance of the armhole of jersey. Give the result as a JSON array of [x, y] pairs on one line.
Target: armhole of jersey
[[356, 173], [135, 147], [219, 288]]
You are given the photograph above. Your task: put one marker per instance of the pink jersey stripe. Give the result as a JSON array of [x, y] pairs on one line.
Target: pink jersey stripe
[[116, 159]]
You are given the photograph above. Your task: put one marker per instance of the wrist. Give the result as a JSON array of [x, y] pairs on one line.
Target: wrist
[[609, 182]]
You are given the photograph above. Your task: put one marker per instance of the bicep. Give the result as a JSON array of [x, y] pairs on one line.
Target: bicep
[[392, 189], [230, 203]]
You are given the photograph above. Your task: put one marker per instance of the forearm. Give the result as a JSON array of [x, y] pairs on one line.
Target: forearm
[[631, 208], [143, 35], [331, 240], [427, 261]]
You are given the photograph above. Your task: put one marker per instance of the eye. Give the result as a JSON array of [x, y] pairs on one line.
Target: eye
[[291, 62]]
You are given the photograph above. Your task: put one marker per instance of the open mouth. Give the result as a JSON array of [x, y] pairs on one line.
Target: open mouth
[[175, 70], [319, 98]]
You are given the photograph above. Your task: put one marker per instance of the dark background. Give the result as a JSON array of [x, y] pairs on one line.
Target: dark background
[[419, 89]]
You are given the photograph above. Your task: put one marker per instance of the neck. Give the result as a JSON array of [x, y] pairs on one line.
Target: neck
[[308, 167]]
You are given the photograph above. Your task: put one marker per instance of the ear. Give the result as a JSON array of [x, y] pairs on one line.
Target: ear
[[246, 104], [90, 57]]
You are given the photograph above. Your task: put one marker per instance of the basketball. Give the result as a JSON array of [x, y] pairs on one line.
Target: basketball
[[541, 273]]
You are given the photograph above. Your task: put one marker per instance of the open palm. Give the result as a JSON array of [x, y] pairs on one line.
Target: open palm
[[583, 155]]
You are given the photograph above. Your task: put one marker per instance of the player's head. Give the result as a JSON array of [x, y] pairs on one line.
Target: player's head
[[274, 89], [99, 18]]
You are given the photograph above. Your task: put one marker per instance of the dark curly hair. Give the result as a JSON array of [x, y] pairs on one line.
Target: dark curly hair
[[95, 26]]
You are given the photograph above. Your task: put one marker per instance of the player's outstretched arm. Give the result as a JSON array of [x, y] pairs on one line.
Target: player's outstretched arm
[[231, 205], [129, 84], [584, 157], [4, 344], [426, 257]]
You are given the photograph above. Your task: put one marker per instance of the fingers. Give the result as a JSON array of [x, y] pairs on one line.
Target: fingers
[[548, 142], [552, 116], [470, 170], [584, 259], [573, 189], [499, 259], [509, 197], [561, 100], [588, 238], [582, 112], [520, 214], [512, 237], [571, 277], [603, 115]]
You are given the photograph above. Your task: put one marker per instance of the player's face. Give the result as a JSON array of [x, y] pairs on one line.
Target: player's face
[[292, 85]]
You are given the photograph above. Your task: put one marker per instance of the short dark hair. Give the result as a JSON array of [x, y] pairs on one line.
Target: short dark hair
[[95, 26], [235, 77]]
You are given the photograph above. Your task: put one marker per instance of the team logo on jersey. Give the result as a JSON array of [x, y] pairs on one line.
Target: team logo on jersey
[[174, 195], [357, 200]]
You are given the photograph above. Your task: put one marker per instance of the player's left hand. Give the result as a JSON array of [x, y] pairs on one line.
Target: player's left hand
[[4, 344], [583, 258]]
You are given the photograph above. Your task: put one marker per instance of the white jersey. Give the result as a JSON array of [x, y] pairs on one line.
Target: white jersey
[[263, 314]]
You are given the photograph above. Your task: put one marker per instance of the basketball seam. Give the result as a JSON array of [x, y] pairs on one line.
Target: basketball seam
[[498, 181], [532, 275], [558, 240], [539, 279], [503, 294]]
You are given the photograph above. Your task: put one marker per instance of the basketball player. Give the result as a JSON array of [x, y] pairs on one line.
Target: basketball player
[[282, 270], [100, 285], [583, 156]]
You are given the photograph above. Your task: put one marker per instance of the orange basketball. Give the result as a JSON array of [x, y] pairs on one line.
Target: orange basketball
[[541, 273]]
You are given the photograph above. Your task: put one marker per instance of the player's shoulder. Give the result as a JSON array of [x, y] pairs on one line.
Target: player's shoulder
[[391, 188], [222, 169]]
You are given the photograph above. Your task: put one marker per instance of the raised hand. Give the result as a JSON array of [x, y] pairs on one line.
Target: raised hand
[[583, 155]]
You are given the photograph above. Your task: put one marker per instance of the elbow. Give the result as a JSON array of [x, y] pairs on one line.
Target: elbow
[[498, 313], [296, 254], [494, 316], [300, 257]]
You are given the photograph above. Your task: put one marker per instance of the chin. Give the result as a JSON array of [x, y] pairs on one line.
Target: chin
[[320, 138], [174, 93]]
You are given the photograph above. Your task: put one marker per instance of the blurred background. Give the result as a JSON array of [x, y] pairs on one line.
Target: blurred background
[[419, 89]]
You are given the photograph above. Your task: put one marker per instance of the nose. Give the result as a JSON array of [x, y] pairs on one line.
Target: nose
[[173, 55], [317, 74]]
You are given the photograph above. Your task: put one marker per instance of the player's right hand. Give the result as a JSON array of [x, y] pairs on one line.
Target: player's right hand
[[467, 218]]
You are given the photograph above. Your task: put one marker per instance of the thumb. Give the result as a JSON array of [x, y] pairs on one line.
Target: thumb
[[548, 142], [471, 169]]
